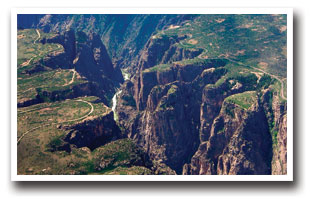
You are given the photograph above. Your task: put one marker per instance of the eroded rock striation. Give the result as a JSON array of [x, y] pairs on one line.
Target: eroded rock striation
[[94, 132], [88, 56], [182, 111], [182, 115]]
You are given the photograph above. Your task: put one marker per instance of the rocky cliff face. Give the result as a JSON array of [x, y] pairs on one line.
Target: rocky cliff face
[[277, 120], [83, 89], [62, 59], [280, 153], [116, 31], [238, 144], [168, 104], [123, 153], [145, 80], [164, 49], [93, 61], [188, 114], [181, 114], [93, 132], [89, 57], [212, 102]]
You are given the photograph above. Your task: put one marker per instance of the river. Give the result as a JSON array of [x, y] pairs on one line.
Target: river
[[118, 92]]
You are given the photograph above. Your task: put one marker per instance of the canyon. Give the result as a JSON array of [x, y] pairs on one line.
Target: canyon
[[152, 94]]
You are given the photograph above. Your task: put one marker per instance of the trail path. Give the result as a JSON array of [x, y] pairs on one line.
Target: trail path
[[72, 79], [26, 63], [35, 128], [39, 36], [34, 42], [261, 70], [21, 112], [258, 69], [22, 92]]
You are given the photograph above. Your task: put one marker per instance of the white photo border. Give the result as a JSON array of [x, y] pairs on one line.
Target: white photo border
[[154, 10]]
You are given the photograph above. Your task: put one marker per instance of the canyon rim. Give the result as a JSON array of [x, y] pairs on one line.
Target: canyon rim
[[152, 94]]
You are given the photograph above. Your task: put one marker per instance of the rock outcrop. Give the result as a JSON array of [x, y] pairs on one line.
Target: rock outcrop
[[238, 144], [186, 109], [277, 120], [146, 79], [83, 89], [280, 152], [121, 153], [63, 59], [93, 61], [167, 122], [94, 132], [179, 114], [124, 45], [164, 49], [89, 57]]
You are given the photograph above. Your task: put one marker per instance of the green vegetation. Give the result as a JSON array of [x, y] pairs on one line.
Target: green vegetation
[[265, 81], [186, 45], [270, 117], [30, 50], [117, 157], [253, 40], [245, 100], [248, 81], [55, 142], [42, 127], [229, 109], [45, 121], [195, 61], [42, 156], [244, 50], [134, 170], [169, 99], [121, 151], [276, 87], [54, 80], [58, 112], [274, 137], [259, 41], [252, 35], [173, 89], [160, 67], [30, 54]]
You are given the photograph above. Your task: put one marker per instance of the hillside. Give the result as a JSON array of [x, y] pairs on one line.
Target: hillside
[[152, 94]]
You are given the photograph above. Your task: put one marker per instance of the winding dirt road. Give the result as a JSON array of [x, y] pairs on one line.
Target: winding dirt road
[[242, 64], [39, 36], [271, 75], [72, 79], [26, 63], [34, 42], [49, 124]]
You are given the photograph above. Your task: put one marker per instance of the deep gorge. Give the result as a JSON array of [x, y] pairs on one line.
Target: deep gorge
[[178, 105]]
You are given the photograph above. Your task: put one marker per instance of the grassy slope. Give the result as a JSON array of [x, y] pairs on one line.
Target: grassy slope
[[40, 125], [30, 52], [48, 117], [30, 48], [52, 80], [251, 43], [244, 100], [256, 40], [251, 40]]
